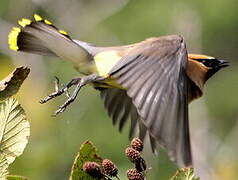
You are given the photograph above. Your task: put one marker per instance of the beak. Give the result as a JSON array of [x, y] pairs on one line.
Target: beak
[[223, 63]]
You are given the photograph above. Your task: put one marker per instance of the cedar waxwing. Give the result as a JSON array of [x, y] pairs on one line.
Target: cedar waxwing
[[150, 82]]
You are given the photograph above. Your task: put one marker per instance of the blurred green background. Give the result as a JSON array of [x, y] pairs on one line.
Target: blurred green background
[[209, 27]]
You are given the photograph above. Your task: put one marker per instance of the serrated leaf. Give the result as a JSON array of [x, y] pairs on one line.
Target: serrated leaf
[[12, 83], [14, 177], [184, 174], [14, 132], [3, 166], [87, 152]]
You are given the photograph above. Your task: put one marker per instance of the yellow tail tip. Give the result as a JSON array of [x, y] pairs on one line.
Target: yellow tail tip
[[12, 38], [24, 22], [63, 32], [47, 22], [37, 17]]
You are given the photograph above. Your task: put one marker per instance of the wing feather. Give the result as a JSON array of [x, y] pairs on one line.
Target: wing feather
[[127, 109], [134, 118], [154, 75], [153, 144], [120, 107]]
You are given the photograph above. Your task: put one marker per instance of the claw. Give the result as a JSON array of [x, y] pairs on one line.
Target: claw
[[56, 83], [59, 91], [52, 95], [80, 82], [58, 111], [70, 99], [67, 93], [68, 102]]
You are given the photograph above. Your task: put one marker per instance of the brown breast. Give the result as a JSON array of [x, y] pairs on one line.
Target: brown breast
[[196, 73]]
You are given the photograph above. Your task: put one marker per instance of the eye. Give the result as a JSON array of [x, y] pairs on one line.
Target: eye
[[203, 61]]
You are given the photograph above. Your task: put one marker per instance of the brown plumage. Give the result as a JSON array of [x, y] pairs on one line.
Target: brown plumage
[[150, 82]]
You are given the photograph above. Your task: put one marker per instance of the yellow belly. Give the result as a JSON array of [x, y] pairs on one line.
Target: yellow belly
[[102, 65], [105, 61]]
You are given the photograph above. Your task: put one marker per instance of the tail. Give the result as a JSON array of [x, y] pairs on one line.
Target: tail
[[40, 36]]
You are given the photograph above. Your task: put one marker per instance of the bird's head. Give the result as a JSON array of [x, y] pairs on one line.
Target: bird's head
[[212, 64]]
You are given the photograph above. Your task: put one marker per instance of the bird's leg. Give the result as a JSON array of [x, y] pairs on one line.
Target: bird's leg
[[82, 82], [67, 85], [59, 91]]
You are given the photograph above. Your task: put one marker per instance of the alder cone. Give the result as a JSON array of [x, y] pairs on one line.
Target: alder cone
[[133, 174], [137, 144], [109, 168], [93, 169], [132, 154]]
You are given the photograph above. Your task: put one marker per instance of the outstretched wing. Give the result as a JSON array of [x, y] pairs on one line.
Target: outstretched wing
[[154, 75], [121, 109]]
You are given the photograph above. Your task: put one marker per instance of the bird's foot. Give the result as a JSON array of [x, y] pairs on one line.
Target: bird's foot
[[58, 91], [80, 83], [70, 99]]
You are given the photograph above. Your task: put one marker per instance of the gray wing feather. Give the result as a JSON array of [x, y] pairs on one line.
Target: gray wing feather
[[127, 104], [153, 144], [142, 131], [157, 83], [120, 107], [134, 119]]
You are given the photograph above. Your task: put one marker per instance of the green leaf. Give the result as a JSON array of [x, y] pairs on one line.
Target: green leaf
[[14, 133], [12, 83], [3, 166], [184, 174], [14, 177], [87, 152]]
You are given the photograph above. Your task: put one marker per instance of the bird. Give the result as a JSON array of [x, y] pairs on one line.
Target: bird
[[149, 83]]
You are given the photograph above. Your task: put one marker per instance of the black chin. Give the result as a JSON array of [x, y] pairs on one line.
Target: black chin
[[214, 66], [213, 70]]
